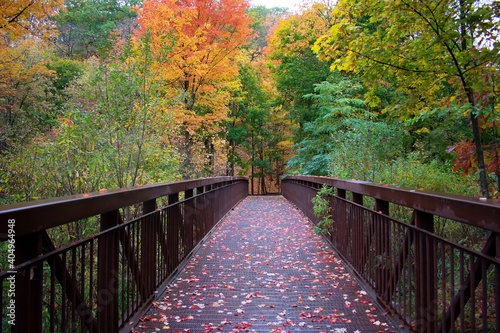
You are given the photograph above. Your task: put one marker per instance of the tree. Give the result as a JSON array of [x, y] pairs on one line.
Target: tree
[[291, 57], [20, 17], [336, 105], [208, 35], [246, 127], [439, 51], [257, 128], [22, 66], [85, 25], [263, 21], [113, 132], [133, 111]]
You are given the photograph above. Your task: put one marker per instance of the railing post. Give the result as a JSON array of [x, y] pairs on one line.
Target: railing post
[[189, 218], [108, 274], [382, 246], [353, 233], [357, 198], [29, 286], [425, 276], [148, 245], [497, 281], [340, 216], [201, 204], [173, 223], [200, 190]]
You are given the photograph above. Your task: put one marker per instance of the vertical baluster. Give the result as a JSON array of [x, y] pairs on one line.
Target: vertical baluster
[[124, 313], [443, 284], [472, 300], [452, 286], [497, 281], [63, 299], [52, 294], [82, 280], [484, 299], [74, 283], [91, 278], [411, 273]]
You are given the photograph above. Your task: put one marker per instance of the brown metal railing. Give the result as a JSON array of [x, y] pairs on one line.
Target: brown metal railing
[[432, 283], [99, 283]]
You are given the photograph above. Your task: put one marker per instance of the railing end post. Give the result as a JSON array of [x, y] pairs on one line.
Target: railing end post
[[29, 285]]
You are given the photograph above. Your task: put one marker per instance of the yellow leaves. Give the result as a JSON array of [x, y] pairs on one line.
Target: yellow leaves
[[422, 130], [202, 67], [299, 31], [21, 63], [371, 98], [20, 17], [20, 60], [316, 48], [285, 145]]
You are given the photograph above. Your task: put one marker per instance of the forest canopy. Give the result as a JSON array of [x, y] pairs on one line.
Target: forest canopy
[[101, 94]]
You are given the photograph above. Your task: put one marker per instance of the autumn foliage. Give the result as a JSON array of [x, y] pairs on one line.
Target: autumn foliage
[[20, 20], [194, 88], [207, 36]]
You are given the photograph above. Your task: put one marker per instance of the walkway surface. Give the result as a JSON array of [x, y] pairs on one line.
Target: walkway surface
[[265, 270]]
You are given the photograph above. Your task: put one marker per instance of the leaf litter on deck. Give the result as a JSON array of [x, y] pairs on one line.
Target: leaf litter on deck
[[264, 270]]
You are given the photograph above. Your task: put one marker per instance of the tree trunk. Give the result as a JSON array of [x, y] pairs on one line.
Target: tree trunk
[[483, 181], [263, 174], [186, 164], [230, 157], [210, 162]]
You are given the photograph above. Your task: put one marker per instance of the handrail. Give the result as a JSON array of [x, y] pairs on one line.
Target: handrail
[[39, 215], [432, 283], [477, 212], [99, 283]]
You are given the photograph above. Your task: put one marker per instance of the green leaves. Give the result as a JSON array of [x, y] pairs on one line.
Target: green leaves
[[421, 43], [432, 49], [334, 105], [86, 25], [322, 209]]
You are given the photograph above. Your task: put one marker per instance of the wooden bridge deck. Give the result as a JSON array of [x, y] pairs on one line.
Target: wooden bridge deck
[[265, 270]]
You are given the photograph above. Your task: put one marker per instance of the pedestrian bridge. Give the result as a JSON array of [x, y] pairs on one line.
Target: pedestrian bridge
[[203, 256]]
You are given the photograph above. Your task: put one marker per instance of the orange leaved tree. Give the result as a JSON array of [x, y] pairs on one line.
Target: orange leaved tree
[[208, 35]]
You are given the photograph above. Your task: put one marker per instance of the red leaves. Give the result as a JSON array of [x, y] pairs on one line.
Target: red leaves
[[259, 276], [466, 160], [242, 327], [208, 35]]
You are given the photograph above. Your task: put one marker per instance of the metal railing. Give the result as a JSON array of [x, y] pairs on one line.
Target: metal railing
[[433, 283], [99, 283]]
